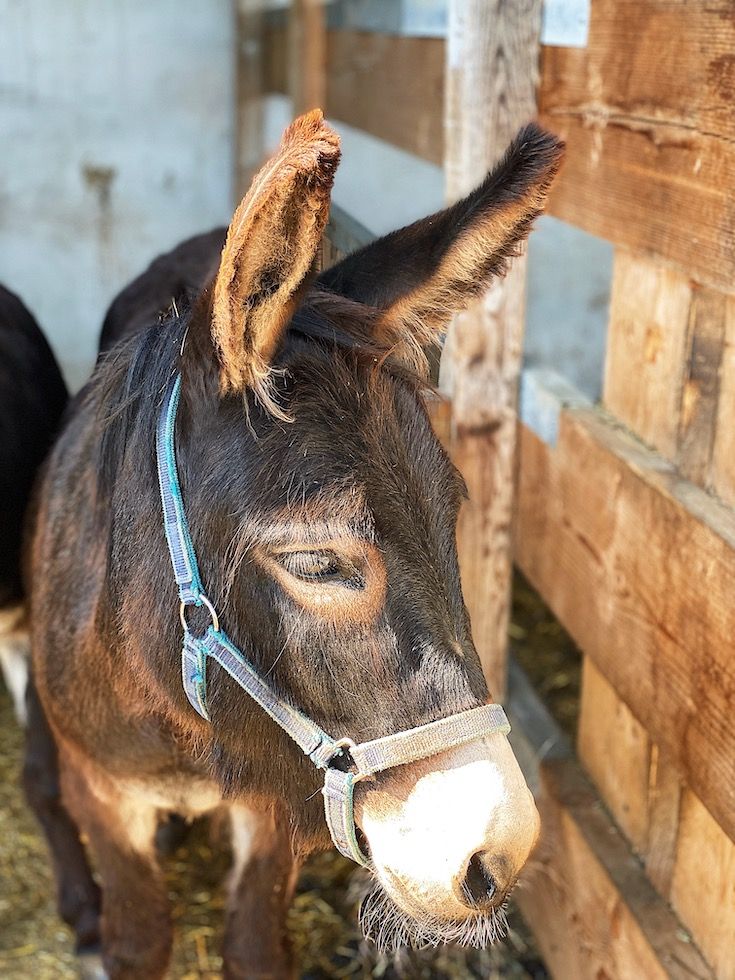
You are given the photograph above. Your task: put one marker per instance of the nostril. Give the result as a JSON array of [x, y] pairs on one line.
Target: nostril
[[479, 887]]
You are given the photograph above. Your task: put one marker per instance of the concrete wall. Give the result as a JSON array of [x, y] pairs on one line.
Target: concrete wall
[[117, 141]]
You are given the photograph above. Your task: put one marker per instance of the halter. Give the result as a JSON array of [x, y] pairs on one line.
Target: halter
[[344, 762]]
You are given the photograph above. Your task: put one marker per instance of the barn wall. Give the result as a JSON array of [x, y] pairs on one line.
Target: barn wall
[[117, 126]]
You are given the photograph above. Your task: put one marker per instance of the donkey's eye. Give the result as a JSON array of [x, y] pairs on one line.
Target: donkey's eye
[[320, 566], [344, 582]]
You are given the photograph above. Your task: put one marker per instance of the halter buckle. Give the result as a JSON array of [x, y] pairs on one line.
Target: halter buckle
[[209, 607]]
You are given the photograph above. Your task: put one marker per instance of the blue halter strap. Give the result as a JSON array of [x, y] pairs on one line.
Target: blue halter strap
[[365, 759]]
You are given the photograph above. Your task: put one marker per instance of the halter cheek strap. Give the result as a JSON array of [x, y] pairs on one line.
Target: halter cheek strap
[[344, 762]]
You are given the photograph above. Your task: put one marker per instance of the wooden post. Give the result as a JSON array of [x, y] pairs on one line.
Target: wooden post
[[249, 145], [492, 73], [307, 55]]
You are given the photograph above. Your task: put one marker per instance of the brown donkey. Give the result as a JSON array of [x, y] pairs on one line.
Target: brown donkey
[[310, 515]]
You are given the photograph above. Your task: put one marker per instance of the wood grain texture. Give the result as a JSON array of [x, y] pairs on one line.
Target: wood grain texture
[[647, 348], [492, 70], [703, 887], [594, 913], [670, 368], [723, 451], [639, 566], [646, 109], [615, 750], [638, 782], [701, 391], [664, 804]]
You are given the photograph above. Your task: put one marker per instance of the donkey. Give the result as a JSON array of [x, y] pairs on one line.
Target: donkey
[[32, 398], [267, 450]]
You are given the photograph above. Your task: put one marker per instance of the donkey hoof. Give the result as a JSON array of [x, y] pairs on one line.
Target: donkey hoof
[[89, 961]]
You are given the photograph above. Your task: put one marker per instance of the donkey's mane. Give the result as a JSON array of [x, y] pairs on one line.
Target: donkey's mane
[[128, 385]]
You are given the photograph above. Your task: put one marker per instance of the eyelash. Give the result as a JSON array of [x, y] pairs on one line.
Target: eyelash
[[321, 567]]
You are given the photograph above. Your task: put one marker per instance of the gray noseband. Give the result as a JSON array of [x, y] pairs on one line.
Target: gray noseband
[[345, 763]]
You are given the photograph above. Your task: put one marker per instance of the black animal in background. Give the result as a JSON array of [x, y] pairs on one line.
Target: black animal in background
[[172, 279], [32, 398]]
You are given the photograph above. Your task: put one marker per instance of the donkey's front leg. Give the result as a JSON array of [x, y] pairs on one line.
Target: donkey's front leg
[[262, 882], [121, 827]]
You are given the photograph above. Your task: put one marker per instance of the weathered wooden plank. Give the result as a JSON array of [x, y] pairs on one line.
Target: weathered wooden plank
[[646, 348], [646, 110], [492, 57], [276, 53], [701, 385], [703, 887], [723, 451], [307, 84], [639, 566], [636, 780], [664, 803], [669, 369], [615, 749], [589, 903], [388, 85]]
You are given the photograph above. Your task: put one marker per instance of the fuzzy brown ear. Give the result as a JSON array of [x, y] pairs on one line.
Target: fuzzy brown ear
[[421, 275], [270, 248]]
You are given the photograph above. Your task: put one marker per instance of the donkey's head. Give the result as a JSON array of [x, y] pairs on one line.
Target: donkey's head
[[323, 511]]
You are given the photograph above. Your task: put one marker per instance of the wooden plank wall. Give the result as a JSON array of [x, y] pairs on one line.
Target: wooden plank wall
[[640, 568], [646, 109], [639, 565], [594, 913], [641, 536]]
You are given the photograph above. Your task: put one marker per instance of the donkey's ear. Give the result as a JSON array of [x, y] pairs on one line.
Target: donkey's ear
[[270, 249], [421, 275]]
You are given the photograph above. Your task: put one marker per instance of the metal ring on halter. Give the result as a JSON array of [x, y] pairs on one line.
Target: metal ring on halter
[[349, 744], [210, 608]]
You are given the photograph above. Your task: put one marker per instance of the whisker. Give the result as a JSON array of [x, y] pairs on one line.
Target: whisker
[[285, 643], [391, 929]]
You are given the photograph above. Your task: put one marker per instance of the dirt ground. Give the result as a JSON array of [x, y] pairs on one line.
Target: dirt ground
[[35, 945]]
